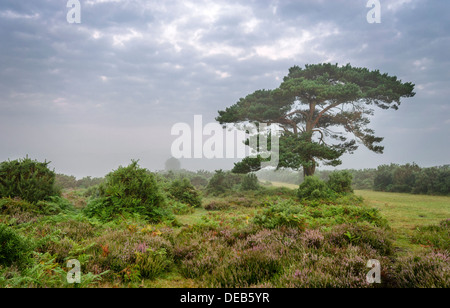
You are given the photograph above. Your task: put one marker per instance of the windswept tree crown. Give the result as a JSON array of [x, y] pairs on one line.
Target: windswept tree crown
[[319, 104]]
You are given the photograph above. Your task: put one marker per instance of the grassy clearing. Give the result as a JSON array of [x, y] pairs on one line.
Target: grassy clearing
[[407, 212], [280, 184]]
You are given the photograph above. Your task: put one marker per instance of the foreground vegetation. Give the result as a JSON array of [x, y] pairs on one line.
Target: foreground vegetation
[[227, 230]]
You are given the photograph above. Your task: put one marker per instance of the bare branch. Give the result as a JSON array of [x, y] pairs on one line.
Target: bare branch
[[321, 134], [321, 113], [297, 111]]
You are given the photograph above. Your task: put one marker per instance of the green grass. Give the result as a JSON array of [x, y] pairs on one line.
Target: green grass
[[407, 212], [288, 185]]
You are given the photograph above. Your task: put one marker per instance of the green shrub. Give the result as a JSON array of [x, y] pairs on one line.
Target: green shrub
[[318, 213], [55, 205], [433, 181], [92, 191], [340, 181], [184, 191], [250, 182], [335, 214], [199, 181], [313, 188], [14, 248], [222, 182], [180, 208], [29, 180], [128, 190], [282, 214], [152, 264]]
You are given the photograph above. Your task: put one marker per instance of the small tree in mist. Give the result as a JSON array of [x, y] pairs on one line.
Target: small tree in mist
[[172, 164]]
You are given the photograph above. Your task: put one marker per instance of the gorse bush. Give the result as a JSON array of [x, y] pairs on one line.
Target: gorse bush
[[128, 190], [29, 180], [313, 188], [250, 182], [184, 191], [14, 248], [340, 182]]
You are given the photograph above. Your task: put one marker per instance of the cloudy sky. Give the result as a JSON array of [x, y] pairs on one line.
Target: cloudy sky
[[92, 96]]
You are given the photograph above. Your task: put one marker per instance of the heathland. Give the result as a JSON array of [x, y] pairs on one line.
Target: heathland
[[136, 228]]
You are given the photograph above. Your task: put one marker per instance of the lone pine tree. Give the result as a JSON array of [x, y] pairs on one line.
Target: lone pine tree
[[323, 111]]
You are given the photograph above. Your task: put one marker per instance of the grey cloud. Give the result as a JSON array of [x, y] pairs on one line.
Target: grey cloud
[[94, 95]]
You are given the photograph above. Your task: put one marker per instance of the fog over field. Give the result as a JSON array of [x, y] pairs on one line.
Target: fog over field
[[91, 96]]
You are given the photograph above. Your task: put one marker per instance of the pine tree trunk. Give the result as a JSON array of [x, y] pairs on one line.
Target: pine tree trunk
[[309, 171]]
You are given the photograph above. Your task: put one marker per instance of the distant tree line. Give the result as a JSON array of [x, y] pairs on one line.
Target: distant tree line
[[198, 178], [411, 178], [70, 182], [407, 178]]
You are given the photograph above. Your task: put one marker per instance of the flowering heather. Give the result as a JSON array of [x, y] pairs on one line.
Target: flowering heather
[[246, 268], [141, 247], [363, 235], [312, 238], [345, 269], [428, 270], [123, 246]]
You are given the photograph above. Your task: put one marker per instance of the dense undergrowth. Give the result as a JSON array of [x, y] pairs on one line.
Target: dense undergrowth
[[219, 234]]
